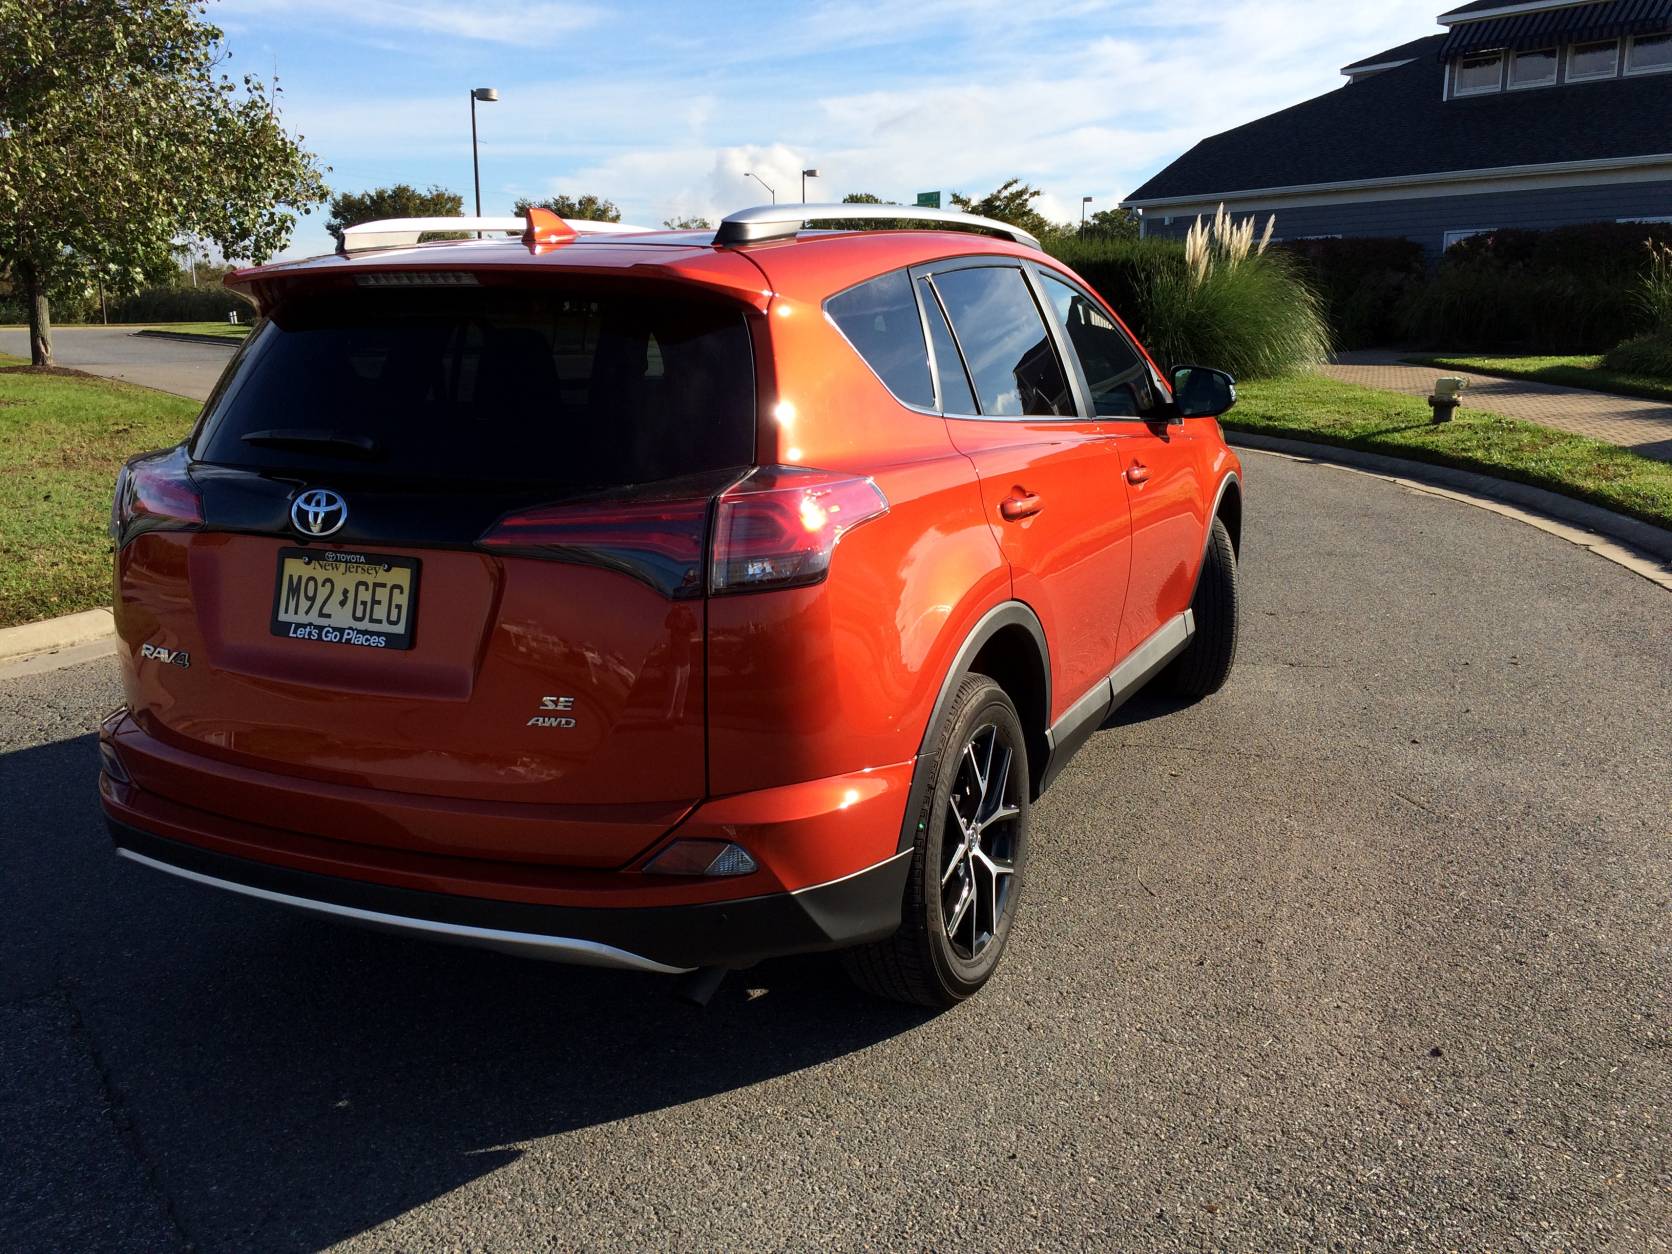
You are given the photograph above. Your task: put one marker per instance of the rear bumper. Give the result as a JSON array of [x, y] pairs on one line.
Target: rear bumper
[[856, 908]]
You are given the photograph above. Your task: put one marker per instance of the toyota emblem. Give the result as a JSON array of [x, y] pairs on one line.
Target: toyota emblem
[[318, 512]]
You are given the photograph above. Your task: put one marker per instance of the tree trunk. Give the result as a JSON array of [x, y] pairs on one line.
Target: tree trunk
[[40, 318]]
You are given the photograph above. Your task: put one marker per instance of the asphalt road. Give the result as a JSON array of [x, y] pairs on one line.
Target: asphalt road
[[1369, 951], [172, 365]]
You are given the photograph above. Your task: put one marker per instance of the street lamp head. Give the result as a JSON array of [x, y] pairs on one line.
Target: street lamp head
[[809, 174], [486, 93], [1085, 200]]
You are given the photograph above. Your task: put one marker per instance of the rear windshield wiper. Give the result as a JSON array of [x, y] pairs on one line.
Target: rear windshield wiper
[[313, 437]]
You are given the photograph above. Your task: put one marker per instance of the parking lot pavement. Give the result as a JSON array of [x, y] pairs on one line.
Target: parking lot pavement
[[177, 366], [1371, 950]]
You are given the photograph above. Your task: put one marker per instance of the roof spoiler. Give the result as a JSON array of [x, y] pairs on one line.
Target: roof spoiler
[[539, 226], [784, 221]]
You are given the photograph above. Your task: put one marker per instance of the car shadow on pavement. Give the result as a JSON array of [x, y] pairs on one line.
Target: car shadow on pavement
[[285, 1083], [1143, 707]]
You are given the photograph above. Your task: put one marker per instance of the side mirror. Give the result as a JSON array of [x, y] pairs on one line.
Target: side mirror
[[1202, 392]]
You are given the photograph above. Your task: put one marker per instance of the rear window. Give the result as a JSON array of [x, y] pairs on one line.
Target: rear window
[[880, 319], [492, 385]]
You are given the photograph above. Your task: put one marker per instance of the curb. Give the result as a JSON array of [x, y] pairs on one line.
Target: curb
[[52, 634], [188, 337], [1637, 545]]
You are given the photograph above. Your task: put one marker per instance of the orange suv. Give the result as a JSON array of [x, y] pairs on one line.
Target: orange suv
[[662, 600]]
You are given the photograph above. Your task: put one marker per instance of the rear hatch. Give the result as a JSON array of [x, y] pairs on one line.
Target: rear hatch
[[450, 544]]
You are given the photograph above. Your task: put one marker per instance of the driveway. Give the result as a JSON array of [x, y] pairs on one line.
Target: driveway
[[1371, 950], [117, 353]]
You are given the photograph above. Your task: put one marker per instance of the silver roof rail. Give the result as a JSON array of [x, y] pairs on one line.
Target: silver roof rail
[[405, 232], [783, 221]]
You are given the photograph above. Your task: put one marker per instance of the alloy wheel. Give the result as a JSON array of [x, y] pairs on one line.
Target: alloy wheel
[[980, 843]]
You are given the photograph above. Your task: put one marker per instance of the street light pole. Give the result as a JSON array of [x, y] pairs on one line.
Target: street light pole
[[763, 183], [487, 95], [805, 175]]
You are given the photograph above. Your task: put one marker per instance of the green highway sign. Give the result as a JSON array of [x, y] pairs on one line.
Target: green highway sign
[[928, 200]]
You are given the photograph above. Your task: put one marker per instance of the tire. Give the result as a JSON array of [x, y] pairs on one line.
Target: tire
[[1206, 662], [977, 884]]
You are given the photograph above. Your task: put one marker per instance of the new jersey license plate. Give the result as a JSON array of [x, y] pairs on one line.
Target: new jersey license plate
[[367, 600]]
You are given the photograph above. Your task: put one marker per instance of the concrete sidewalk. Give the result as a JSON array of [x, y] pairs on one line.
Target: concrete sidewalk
[[1644, 427]]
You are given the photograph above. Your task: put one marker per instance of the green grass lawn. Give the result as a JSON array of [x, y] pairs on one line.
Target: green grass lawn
[[61, 441], [220, 330], [1311, 407], [1572, 372]]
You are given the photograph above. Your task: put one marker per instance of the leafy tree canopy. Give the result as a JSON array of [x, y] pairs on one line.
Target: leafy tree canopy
[[687, 224], [400, 201], [588, 208], [1112, 224], [1011, 202], [118, 134], [863, 198]]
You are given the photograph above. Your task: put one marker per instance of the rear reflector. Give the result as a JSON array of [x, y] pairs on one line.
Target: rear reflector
[[778, 527], [658, 542], [701, 857], [155, 493]]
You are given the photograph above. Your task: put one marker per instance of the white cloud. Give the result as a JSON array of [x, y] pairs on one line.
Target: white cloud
[[664, 118]]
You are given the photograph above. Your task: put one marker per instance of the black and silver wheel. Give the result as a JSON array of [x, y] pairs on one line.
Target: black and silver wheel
[[1206, 662], [966, 876]]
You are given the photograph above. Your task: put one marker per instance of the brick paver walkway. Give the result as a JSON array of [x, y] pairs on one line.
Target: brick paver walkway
[[1642, 426]]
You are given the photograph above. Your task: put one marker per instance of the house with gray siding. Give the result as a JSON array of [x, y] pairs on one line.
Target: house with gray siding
[[1521, 113]]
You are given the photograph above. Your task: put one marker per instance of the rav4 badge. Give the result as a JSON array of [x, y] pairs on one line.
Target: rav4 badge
[[174, 657]]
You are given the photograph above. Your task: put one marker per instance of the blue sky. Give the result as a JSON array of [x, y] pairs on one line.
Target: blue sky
[[662, 106]]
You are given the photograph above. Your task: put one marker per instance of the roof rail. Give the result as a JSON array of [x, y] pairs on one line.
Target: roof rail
[[405, 232], [783, 221]]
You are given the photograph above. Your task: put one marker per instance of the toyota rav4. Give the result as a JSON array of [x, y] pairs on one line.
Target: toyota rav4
[[664, 600]]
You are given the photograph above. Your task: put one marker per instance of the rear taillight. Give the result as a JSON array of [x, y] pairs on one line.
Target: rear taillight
[[778, 526], [155, 493], [659, 542]]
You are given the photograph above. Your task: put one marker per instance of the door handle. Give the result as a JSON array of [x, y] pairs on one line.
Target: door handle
[[1025, 506], [1137, 472]]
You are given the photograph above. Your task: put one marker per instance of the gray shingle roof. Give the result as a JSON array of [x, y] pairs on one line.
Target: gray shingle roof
[[1395, 124], [1404, 52]]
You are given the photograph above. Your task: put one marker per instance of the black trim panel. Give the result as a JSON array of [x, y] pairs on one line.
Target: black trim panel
[[1011, 613], [844, 912]]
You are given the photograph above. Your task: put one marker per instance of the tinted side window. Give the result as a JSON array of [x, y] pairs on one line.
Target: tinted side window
[[1006, 346], [880, 319], [956, 397], [1117, 376]]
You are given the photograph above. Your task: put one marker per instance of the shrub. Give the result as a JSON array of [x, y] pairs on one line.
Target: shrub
[[1594, 249], [1649, 354], [179, 304], [1362, 281], [1244, 311]]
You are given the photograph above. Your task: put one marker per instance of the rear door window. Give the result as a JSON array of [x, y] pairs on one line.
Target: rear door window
[[496, 385], [956, 396], [880, 319], [1012, 365], [1116, 375]]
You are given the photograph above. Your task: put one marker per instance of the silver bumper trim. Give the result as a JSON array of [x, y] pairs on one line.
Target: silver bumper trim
[[523, 944]]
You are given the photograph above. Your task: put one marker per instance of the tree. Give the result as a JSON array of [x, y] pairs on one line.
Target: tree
[[587, 208], [400, 201], [687, 224], [863, 198], [118, 135], [1118, 223], [1011, 202]]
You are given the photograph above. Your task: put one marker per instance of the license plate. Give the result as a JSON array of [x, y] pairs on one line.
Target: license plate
[[367, 600]]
